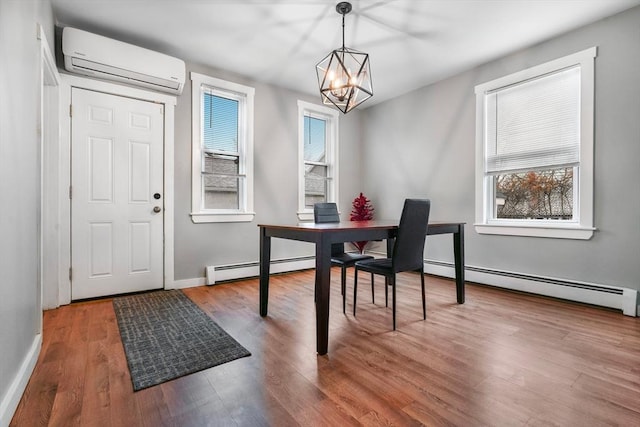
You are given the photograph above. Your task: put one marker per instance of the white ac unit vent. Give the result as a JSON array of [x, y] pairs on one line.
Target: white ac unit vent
[[97, 56]]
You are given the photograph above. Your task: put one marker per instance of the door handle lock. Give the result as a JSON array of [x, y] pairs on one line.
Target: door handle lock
[[157, 209]]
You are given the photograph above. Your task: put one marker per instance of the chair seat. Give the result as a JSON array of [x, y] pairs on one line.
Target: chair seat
[[346, 259], [380, 266]]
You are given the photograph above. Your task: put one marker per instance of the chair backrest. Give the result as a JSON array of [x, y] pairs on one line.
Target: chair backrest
[[324, 213], [408, 251]]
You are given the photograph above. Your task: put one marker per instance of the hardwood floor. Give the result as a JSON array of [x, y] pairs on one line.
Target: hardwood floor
[[501, 359]]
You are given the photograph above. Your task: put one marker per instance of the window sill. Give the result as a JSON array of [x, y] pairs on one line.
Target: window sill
[[200, 217], [305, 216], [550, 231]]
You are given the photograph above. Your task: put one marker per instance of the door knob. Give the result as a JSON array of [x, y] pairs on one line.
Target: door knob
[[157, 209]]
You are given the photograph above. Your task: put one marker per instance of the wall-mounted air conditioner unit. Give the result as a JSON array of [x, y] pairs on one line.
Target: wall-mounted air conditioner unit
[[97, 56]]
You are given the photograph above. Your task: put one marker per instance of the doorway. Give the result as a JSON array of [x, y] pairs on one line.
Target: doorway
[[117, 194]]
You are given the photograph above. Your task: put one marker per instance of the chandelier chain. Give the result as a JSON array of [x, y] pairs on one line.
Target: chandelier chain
[[343, 32]]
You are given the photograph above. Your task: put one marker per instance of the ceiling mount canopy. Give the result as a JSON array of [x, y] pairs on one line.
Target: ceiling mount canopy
[[344, 76]]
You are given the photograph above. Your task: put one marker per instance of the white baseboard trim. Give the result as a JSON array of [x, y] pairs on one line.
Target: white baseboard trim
[[222, 273], [11, 399], [623, 299], [186, 283]]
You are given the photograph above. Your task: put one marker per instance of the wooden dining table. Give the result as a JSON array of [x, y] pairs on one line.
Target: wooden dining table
[[323, 236]]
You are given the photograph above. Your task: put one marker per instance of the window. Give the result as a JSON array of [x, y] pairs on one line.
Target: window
[[317, 157], [534, 150], [222, 141]]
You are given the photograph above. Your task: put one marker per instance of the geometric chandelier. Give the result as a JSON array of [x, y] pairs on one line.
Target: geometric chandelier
[[344, 76]]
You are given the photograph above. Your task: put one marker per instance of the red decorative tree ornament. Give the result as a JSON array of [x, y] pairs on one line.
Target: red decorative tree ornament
[[362, 211]]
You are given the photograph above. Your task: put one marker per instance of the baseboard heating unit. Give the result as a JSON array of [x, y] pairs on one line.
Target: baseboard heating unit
[[619, 298], [623, 299], [221, 273]]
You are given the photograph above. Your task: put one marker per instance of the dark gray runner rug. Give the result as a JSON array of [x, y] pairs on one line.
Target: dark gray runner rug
[[166, 335]]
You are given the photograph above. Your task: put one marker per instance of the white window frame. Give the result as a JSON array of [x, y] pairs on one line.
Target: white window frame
[[246, 95], [581, 227], [331, 117]]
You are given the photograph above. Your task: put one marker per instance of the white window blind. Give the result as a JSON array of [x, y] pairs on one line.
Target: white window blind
[[534, 124], [220, 122], [315, 131]]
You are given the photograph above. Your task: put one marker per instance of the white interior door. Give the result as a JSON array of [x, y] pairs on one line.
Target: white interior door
[[117, 195]]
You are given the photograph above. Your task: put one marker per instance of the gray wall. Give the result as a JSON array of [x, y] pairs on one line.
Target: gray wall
[[19, 180], [275, 181], [423, 144]]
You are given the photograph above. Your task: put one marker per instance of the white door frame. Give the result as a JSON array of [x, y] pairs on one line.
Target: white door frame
[[49, 153], [69, 81]]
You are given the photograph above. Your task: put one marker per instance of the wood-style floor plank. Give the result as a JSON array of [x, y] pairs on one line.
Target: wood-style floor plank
[[501, 359]]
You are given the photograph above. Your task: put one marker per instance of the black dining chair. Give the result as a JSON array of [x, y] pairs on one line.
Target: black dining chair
[[326, 213], [408, 252]]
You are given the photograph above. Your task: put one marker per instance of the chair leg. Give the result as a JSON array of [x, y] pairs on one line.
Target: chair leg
[[393, 284], [355, 292], [343, 288], [386, 292], [373, 295], [424, 303]]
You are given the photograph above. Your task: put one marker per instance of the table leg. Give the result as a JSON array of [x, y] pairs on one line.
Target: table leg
[[458, 251], [265, 261], [323, 282], [390, 242]]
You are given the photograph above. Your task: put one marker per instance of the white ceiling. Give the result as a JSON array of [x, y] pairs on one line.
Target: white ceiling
[[411, 43]]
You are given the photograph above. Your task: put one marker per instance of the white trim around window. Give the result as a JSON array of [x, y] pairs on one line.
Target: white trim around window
[[330, 116], [581, 225], [244, 213]]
